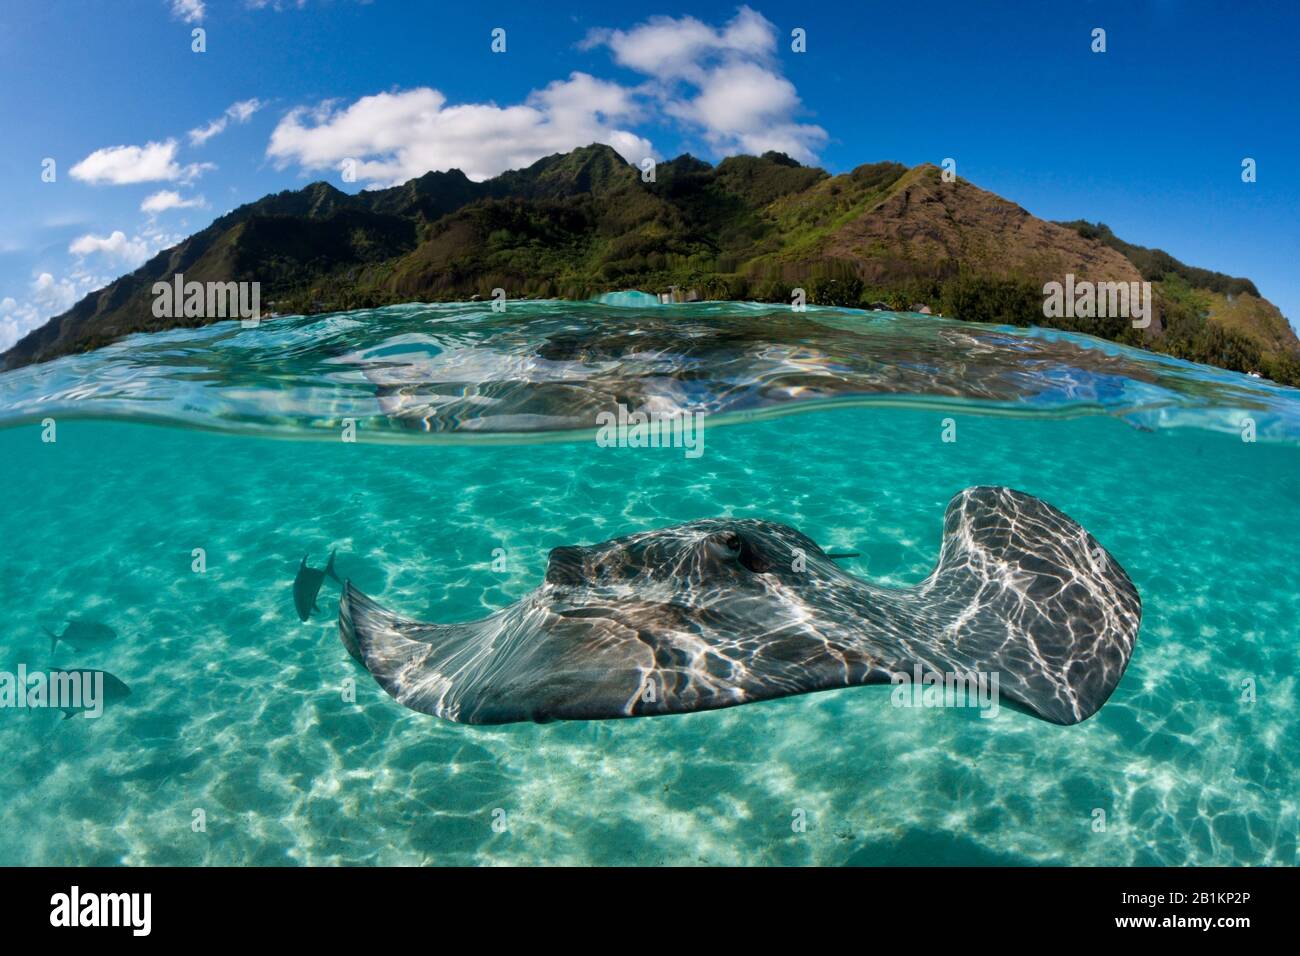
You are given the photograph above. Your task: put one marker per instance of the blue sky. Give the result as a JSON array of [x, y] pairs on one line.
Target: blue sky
[[151, 140]]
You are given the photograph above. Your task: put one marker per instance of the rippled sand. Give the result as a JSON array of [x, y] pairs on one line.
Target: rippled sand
[[237, 706]]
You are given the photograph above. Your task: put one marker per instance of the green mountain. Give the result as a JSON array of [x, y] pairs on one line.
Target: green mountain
[[1210, 316], [752, 227]]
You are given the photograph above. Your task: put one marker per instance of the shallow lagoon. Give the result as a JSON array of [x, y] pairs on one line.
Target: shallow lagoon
[[237, 707]]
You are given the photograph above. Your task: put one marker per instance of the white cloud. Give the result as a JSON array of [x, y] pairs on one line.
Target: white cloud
[[48, 297], [115, 248], [191, 11], [16, 321], [673, 49], [744, 107], [396, 136], [124, 165], [166, 199], [156, 240], [723, 82], [240, 112], [55, 295], [201, 134]]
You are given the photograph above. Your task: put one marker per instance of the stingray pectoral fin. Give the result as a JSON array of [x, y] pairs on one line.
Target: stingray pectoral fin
[[383, 643], [349, 604], [1023, 592], [432, 668]]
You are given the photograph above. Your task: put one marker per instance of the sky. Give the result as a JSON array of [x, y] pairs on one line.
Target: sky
[[150, 140]]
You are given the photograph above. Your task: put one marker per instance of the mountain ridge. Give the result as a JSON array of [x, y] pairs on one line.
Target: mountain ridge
[[574, 224]]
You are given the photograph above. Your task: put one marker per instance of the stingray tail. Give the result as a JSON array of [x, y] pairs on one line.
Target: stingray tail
[[1023, 592], [54, 638], [329, 569]]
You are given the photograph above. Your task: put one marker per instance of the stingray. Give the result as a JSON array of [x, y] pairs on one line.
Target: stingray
[[722, 612]]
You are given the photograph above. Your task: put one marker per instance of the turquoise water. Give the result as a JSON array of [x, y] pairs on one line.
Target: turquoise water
[[237, 708]]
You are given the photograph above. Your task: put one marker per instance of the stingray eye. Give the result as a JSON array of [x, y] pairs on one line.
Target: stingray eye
[[731, 541]]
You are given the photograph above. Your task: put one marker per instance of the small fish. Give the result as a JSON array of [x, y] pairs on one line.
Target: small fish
[[307, 585], [81, 634], [111, 689]]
